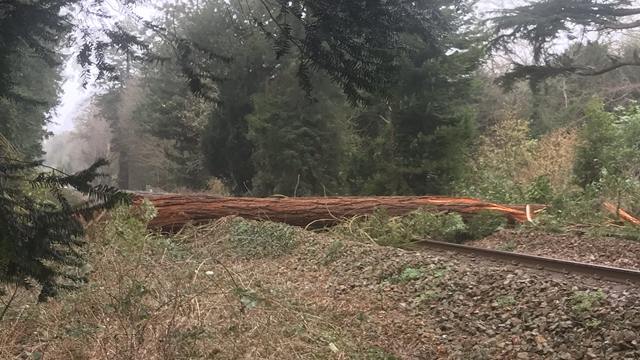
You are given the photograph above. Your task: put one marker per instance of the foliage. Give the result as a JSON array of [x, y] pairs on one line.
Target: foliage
[[169, 112], [410, 274], [586, 300], [360, 51], [225, 146], [416, 143], [540, 25], [143, 302], [496, 166], [333, 252], [423, 223], [607, 158], [90, 139], [128, 225], [507, 246], [510, 167], [596, 136], [262, 239], [539, 190], [506, 301], [23, 122], [486, 223], [299, 146], [38, 238]]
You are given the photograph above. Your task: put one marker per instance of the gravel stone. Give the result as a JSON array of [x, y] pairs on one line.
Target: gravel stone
[[460, 309]]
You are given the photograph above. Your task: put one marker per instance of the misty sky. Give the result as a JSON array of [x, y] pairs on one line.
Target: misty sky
[[73, 95], [71, 98]]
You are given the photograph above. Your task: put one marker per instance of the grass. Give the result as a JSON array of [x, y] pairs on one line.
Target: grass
[[507, 246], [189, 296], [333, 252], [410, 274]]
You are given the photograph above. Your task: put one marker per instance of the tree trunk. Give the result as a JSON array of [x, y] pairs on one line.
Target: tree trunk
[[123, 171], [174, 211]]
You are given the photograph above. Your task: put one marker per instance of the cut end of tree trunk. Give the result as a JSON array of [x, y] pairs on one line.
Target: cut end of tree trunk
[[623, 215]]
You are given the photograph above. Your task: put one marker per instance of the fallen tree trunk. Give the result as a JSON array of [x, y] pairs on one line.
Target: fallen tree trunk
[[175, 211]]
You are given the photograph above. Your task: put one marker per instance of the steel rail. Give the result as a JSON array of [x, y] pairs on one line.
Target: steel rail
[[599, 272]]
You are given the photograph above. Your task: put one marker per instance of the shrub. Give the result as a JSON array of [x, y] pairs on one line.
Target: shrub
[[264, 239], [128, 225], [410, 274], [422, 223], [509, 167], [333, 252], [486, 223], [596, 136]]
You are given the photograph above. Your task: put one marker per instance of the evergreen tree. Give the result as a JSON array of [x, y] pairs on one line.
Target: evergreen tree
[[169, 112], [226, 148], [597, 135], [39, 236], [299, 144], [23, 121], [543, 24], [415, 143]]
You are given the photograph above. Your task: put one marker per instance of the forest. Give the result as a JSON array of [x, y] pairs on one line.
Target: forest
[[457, 118], [523, 102]]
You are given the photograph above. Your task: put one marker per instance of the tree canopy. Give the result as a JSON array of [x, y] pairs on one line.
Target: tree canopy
[[544, 26]]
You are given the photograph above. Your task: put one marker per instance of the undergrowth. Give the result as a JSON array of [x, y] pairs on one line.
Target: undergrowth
[[151, 296], [256, 239], [423, 223]]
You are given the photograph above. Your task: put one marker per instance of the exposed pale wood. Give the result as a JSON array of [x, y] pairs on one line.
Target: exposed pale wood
[[625, 216], [174, 210], [535, 208]]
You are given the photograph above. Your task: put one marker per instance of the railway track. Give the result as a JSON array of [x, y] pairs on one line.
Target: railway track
[[598, 272]]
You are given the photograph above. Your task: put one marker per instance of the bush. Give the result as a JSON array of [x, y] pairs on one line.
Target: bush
[[509, 167], [423, 223], [596, 137], [586, 300], [333, 252], [486, 223], [128, 225], [265, 239]]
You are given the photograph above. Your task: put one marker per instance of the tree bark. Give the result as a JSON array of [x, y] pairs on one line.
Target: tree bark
[[175, 211]]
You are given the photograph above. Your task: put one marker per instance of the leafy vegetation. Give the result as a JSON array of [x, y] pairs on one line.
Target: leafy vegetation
[[258, 98], [586, 300], [506, 301], [262, 239], [333, 252], [298, 98], [424, 223]]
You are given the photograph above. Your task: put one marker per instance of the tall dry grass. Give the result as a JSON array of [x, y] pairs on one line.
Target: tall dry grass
[[189, 296], [553, 155], [506, 158]]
